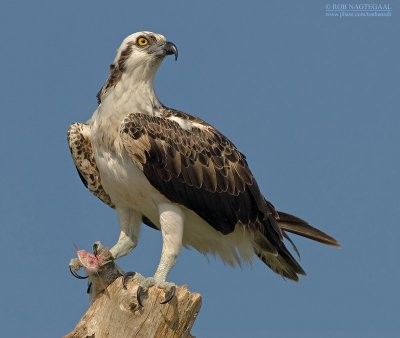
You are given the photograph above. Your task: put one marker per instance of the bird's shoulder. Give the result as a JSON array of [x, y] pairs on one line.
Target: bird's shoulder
[[189, 122], [182, 128]]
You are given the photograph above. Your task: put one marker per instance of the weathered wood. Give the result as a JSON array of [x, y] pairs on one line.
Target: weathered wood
[[117, 314]]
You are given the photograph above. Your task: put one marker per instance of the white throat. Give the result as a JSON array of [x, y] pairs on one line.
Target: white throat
[[127, 96]]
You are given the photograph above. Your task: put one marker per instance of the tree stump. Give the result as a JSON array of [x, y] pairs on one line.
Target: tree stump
[[117, 314]]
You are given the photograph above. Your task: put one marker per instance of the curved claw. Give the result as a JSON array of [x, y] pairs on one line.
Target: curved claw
[[139, 295], [75, 274], [169, 295], [125, 278], [89, 287]]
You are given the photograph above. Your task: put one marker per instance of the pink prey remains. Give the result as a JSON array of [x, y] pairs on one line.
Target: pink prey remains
[[91, 262]]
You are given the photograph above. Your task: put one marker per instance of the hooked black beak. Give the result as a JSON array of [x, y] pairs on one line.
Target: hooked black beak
[[170, 49]]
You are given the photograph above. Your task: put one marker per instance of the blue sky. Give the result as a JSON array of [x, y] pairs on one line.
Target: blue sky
[[313, 101]]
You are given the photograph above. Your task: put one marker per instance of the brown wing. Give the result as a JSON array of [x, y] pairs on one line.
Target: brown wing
[[82, 155], [192, 164]]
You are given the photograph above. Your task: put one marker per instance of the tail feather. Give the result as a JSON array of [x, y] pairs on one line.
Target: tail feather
[[280, 261], [278, 265], [300, 227], [291, 243], [276, 255]]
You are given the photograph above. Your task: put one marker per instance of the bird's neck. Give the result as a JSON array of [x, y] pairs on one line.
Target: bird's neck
[[130, 96], [124, 98]]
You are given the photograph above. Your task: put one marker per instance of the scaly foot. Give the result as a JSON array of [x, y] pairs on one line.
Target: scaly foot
[[146, 283]]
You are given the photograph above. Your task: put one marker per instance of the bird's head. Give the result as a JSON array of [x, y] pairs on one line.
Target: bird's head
[[136, 63], [141, 53]]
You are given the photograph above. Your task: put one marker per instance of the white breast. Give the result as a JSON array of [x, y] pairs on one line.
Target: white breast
[[121, 179]]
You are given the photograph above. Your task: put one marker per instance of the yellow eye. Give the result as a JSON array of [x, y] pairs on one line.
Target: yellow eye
[[142, 41]]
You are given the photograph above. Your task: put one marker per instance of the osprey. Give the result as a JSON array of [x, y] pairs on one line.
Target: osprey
[[176, 173]]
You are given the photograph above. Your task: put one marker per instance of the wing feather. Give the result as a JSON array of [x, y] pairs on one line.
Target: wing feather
[[82, 155]]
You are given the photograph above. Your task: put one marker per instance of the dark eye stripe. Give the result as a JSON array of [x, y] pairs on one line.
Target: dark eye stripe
[[152, 38]]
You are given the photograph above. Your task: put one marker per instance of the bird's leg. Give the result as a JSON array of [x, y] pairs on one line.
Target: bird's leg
[[171, 221], [129, 223]]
